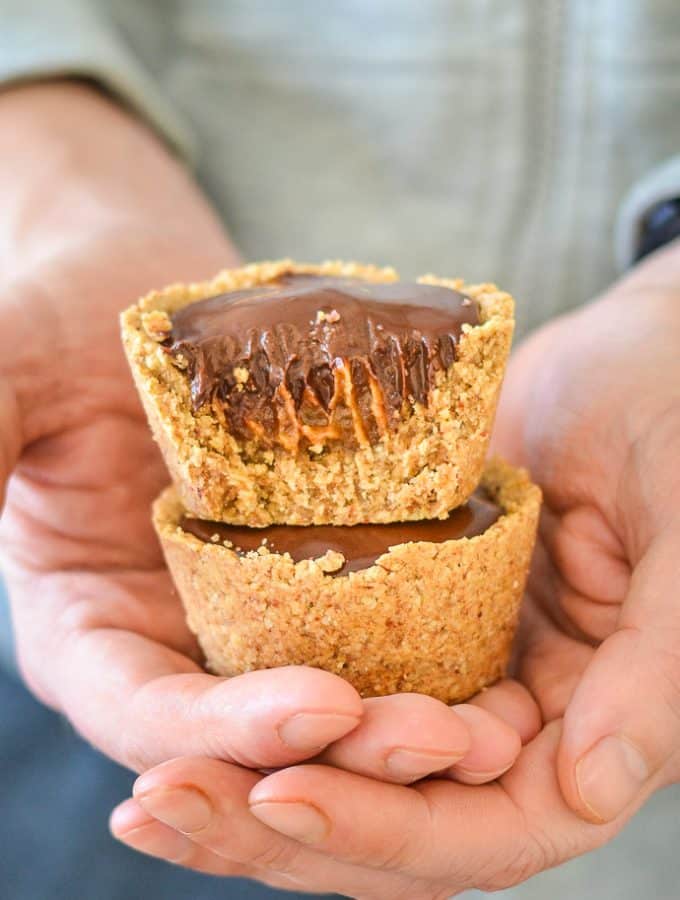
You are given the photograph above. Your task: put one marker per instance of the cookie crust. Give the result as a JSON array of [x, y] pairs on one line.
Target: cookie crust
[[429, 464], [436, 618]]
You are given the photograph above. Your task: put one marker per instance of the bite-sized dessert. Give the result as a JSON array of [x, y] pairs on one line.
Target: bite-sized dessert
[[333, 394], [420, 606]]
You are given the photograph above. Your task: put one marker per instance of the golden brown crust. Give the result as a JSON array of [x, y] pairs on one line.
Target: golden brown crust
[[433, 618], [428, 465]]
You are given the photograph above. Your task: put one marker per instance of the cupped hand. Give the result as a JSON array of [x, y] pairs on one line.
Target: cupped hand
[[195, 811], [592, 405]]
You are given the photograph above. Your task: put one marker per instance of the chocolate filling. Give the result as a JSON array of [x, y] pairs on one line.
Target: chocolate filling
[[360, 545], [318, 358]]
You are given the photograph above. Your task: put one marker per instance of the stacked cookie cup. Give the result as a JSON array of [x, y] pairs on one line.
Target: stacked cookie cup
[[326, 430]]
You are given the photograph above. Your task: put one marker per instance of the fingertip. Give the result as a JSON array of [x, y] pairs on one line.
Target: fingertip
[[401, 738], [327, 686], [495, 746], [511, 702], [171, 773], [127, 816]]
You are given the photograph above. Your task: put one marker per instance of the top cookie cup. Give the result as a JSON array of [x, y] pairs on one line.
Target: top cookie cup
[[376, 408]]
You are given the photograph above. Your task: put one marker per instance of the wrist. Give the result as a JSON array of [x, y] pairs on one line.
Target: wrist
[[72, 163], [657, 274]]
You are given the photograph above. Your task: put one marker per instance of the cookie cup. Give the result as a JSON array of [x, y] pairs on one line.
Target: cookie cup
[[426, 465], [436, 618]]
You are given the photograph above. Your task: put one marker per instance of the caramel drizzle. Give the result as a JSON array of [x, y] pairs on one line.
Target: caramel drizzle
[[290, 427]]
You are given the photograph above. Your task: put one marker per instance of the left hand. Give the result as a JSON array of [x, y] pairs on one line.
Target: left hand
[[592, 405]]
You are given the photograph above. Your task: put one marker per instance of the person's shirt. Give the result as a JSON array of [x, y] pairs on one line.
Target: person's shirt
[[492, 140]]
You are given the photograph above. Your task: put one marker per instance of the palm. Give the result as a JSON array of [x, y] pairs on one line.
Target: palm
[[76, 532]]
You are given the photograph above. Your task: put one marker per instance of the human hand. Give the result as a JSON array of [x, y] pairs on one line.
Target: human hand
[[195, 812], [94, 213], [592, 405]]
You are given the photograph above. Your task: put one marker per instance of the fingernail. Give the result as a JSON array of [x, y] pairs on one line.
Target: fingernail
[[468, 776], [185, 809], [414, 764], [297, 820], [312, 731], [610, 776]]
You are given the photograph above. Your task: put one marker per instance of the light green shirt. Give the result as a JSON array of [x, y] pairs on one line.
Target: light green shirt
[[493, 139]]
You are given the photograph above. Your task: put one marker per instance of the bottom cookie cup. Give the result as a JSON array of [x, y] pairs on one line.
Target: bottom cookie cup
[[433, 617]]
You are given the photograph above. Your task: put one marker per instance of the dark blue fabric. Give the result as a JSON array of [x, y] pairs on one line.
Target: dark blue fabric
[[660, 227], [55, 797]]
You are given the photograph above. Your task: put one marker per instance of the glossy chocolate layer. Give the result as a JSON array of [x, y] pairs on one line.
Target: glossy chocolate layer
[[318, 358], [360, 545]]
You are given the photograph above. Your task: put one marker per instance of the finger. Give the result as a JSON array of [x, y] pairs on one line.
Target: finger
[[550, 662], [494, 746], [150, 704], [131, 825], [487, 837], [511, 702], [401, 738], [622, 727], [142, 702], [388, 827], [207, 801], [584, 570]]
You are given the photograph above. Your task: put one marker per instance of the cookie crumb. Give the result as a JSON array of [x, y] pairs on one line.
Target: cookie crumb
[[331, 561], [157, 325]]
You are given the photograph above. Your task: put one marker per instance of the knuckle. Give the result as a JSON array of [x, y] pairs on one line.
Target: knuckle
[[401, 854], [237, 749], [131, 753], [536, 854], [515, 871], [278, 856], [193, 857]]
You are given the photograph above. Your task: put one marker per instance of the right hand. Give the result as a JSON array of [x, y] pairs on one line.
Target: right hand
[[95, 212]]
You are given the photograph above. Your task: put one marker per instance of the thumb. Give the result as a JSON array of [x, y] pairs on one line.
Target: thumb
[[621, 738]]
